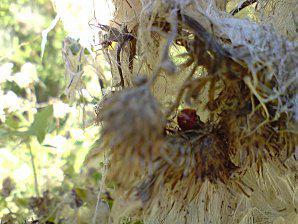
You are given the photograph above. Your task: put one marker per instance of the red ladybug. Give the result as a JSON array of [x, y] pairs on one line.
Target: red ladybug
[[188, 120]]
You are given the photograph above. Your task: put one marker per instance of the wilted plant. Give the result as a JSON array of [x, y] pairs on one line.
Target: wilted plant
[[133, 126], [248, 90]]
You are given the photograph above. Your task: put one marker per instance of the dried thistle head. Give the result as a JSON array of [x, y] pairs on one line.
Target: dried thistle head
[[133, 124], [186, 166], [254, 137], [244, 85], [211, 203], [204, 155], [189, 159], [254, 141], [132, 119]]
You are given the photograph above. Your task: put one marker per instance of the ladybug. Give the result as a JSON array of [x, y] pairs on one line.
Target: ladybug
[[189, 120]]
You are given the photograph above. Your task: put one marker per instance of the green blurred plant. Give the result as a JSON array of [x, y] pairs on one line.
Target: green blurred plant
[[42, 141]]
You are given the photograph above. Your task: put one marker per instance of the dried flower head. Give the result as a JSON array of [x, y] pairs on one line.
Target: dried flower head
[[133, 125], [256, 143], [132, 119], [192, 170], [203, 155], [189, 160], [249, 90]]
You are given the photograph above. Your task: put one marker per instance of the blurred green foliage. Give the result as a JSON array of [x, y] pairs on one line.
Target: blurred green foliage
[[43, 142], [22, 39]]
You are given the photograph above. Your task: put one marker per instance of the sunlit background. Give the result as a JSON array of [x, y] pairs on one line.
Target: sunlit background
[[44, 137]]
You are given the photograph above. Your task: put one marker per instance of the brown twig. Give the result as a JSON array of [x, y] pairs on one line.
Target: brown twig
[[118, 58], [126, 37], [128, 3], [121, 37], [132, 51]]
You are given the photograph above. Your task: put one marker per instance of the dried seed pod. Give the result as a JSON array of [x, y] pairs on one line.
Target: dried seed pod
[[253, 138], [185, 164], [202, 155], [132, 118], [255, 143], [133, 125]]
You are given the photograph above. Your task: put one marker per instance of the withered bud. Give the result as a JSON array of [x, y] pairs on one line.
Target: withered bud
[[132, 119], [8, 186], [203, 155]]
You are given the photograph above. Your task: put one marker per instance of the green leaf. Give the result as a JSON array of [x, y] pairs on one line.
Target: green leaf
[[96, 176], [49, 146], [7, 135], [40, 125], [86, 51], [79, 143], [12, 122], [3, 203], [21, 202], [81, 193]]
